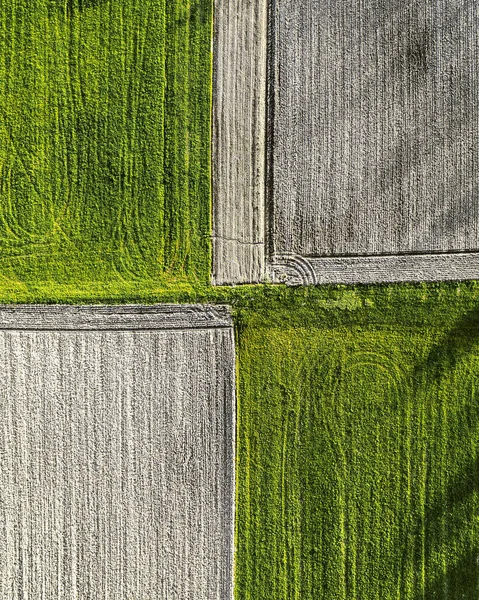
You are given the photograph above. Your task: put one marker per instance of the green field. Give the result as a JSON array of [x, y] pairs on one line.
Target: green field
[[104, 144], [358, 408], [358, 448]]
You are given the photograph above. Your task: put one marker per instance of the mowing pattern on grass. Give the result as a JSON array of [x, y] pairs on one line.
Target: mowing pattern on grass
[[358, 456], [104, 141]]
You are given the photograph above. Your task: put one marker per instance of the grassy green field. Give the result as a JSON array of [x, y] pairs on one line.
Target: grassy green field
[[104, 144], [358, 455], [358, 408]]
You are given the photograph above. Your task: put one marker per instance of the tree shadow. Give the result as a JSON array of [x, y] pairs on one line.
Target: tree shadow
[[458, 341], [460, 581]]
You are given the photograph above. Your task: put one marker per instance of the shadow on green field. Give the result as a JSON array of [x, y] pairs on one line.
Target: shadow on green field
[[457, 343], [459, 583], [460, 578]]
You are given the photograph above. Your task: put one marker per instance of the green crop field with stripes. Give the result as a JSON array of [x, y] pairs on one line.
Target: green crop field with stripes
[[358, 448], [358, 407], [104, 143]]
